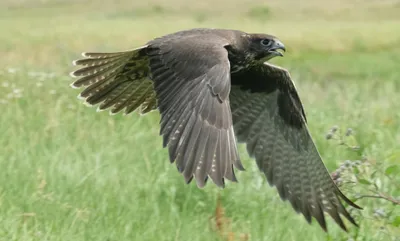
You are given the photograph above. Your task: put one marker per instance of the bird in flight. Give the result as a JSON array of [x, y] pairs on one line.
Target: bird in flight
[[214, 88]]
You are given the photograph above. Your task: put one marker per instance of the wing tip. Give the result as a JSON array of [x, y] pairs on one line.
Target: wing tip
[[200, 184], [113, 112], [80, 97], [74, 86], [87, 104], [219, 182], [188, 179], [99, 109], [75, 62], [347, 200], [238, 164], [73, 74], [125, 113]]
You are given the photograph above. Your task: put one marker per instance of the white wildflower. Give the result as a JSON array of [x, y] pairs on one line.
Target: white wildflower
[[12, 70]]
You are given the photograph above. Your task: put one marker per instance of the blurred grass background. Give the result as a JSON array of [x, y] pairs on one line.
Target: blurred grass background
[[69, 173]]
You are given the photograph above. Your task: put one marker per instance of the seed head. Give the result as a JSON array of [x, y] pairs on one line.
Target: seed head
[[348, 163], [349, 132], [329, 135], [378, 212], [342, 168]]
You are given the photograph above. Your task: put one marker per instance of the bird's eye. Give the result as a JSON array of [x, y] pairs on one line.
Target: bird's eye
[[265, 42]]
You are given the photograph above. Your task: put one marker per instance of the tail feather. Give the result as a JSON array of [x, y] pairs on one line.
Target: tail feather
[[139, 100], [111, 92], [95, 61], [116, 80], [90, 70], [98, 55], [116, 95], [94, 78], [149, 104]]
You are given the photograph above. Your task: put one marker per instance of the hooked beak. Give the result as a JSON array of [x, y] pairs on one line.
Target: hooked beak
[[277, 45]]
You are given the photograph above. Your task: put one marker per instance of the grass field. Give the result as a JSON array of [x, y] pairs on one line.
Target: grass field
[[70, 173]]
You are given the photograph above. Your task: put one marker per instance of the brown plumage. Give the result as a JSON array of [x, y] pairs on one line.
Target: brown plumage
[[213, 86]]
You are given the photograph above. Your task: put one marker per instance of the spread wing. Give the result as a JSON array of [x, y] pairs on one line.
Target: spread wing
[[192, 81], [269, 117], [116, 80]]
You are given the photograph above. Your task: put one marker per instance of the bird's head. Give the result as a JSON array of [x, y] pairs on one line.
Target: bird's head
[[263, 47]]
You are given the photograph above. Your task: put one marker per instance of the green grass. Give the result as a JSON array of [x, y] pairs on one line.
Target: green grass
[[69, 173]]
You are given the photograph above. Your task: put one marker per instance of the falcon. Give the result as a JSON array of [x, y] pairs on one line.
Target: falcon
[[214, 88]]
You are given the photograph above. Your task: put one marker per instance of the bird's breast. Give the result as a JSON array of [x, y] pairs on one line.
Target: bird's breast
[[237, 67], [238, 61]]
